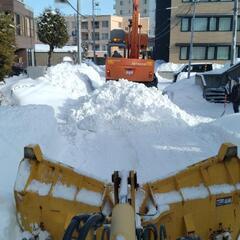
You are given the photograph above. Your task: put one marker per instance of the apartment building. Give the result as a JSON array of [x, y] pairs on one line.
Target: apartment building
[[103, 26], [147, 9], [24, 35], [212, 31]]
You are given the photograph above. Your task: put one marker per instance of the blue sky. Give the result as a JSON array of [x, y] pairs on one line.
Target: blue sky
[[105, 6]]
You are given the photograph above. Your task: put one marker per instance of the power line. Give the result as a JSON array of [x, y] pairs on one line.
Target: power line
[[164, 32]]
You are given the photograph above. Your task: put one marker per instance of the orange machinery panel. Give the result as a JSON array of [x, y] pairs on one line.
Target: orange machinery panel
[[136, 70]]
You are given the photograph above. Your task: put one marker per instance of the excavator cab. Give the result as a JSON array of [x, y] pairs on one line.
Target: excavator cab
[[131, 65]]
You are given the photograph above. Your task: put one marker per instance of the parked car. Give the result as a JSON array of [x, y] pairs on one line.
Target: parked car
[[195, 67]]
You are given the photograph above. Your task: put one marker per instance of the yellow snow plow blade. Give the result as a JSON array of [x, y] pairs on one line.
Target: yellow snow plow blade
[[49, 194], [202, 200]]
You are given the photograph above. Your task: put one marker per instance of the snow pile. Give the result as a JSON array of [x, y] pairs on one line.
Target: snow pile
[[45, 48], [123, 101], [20, 126], [61, 82], [189, 97], [170, 67], [69, 77], [106, 127]]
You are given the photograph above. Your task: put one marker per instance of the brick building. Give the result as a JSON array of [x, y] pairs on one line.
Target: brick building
[[24, 35]]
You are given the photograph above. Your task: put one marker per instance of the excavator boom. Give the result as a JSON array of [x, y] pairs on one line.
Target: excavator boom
[[134, 35], [131, 66]]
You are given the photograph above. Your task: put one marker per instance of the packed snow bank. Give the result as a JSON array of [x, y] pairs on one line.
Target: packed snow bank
[[61, 82], [125, 125], [132, 102], [189, 97], [118, 126], [20, 126], [170, 67]]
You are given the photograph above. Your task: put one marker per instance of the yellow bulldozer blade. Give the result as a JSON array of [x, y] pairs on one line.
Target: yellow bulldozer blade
[[202, 200], [49, 194]]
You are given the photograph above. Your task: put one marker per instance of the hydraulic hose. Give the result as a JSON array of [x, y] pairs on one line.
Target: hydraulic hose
[[162, 232], [93, 222], [139, 233], [150, 228], [105, 232], [74, 225]]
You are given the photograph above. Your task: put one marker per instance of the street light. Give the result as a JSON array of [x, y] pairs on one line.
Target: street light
[[79, 38], [94, 4], [191, 41], [234, 33]]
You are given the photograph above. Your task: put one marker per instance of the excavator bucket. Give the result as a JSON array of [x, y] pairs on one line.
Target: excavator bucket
[[200, 202], [48, 194]]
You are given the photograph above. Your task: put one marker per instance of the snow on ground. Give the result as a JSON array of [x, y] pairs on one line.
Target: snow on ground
[[188, 96], [100, 127]]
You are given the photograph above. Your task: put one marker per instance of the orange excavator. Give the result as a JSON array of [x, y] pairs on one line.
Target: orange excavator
[[131, 65]]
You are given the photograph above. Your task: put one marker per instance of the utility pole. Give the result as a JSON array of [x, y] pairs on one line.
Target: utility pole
[[234, 33], [93, 35], [191, 41], [79, 33]]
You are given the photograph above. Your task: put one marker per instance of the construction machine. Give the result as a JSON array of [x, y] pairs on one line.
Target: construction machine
[[200, 202], [132, 64]]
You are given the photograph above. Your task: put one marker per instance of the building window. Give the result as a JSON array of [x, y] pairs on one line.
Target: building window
[[105, 24], [104, 47], [211, 53], [201, 24], [223, 52], [225, 23], [121, 3], [208, 0], [199, 53], [18, 24], [205, 24], [183, 53], [84, 36], [84, 25], [206, 53], [96, 24], [96, 36], [185, 24], [97, 47], [213, 24], [27, 27], [104, 36]]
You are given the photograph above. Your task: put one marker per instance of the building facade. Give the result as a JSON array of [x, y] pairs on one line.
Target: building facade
[[103, 26], [212, 31], [147, 9], [162, 30], [24, 35]]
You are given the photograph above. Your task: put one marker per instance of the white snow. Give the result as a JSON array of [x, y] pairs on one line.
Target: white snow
[[89, 197], [99, 127], [222, 188], [192, 193], [45, 48], [40, 188], [63, 191], [167, 198], [23, 175]]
